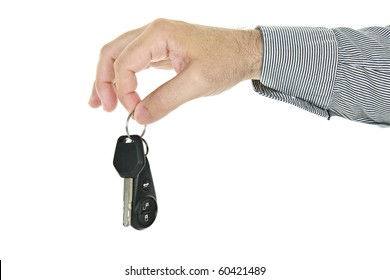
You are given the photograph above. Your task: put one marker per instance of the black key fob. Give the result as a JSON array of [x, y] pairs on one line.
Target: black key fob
[[144, 205]]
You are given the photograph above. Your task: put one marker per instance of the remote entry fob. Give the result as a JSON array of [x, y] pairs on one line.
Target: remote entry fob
[[144, 205]]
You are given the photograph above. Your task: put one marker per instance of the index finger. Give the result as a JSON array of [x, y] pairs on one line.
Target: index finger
[[104, 88], [149, 47]]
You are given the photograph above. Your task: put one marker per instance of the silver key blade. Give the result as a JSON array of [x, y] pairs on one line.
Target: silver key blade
[[127, 200]]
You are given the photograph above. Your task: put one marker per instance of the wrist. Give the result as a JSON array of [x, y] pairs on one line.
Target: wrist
[[253, 54]]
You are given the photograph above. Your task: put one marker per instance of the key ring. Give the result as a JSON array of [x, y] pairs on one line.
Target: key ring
[[127, 126], [142, 134]]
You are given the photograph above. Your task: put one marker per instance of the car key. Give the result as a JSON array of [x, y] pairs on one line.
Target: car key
[[129, 160], [139, 196]]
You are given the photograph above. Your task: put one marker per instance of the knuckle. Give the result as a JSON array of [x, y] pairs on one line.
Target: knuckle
[[160, 24], [117, 65], [105, 50]]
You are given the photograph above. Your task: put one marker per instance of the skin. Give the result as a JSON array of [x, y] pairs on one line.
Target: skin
[[207, 60]]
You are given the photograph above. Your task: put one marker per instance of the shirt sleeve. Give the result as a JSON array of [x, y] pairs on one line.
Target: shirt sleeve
[[329, 72]]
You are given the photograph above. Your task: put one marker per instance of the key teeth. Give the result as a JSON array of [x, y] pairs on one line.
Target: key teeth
[[126, 220]]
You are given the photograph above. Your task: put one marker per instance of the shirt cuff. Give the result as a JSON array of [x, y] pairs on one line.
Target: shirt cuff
[[299, 66]]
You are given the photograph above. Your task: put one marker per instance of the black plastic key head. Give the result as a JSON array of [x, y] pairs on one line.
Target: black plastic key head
[[129, 157]]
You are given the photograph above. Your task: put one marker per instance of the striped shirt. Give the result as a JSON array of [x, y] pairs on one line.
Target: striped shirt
[[329, 72]]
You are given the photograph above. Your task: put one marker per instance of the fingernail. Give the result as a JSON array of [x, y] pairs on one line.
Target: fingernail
[[142, 115]]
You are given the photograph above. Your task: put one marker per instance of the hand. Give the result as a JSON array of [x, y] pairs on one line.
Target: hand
[[207, 61]]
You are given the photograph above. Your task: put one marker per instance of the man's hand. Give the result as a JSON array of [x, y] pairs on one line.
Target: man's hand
[[207, 61]]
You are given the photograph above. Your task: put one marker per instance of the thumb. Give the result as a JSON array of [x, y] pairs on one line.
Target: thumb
[[187, 85]]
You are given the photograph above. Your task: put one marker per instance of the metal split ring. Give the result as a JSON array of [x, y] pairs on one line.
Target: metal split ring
[[142, 134], [127, 126]]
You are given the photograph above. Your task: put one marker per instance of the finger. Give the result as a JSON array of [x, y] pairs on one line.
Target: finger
[[105, 76], [94, 100], [187, 85], [105, 90], [148, 48]]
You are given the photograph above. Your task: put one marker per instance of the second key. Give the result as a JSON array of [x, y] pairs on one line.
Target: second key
[[129, 160]]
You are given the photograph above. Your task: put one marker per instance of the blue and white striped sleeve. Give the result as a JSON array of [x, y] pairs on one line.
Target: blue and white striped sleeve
[[340, 71]]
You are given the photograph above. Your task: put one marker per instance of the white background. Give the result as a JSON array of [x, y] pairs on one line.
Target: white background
[[241, 180]]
